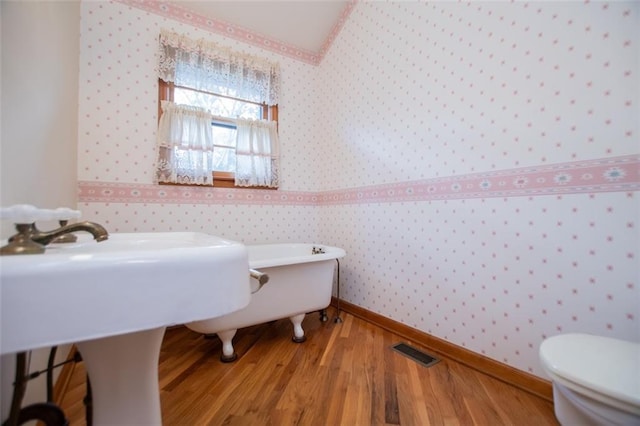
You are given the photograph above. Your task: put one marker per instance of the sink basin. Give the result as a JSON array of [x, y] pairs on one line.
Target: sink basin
[[128, 283], [114, 300]]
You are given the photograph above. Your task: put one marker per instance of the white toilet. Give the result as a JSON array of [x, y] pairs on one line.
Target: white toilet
[[596, 380]]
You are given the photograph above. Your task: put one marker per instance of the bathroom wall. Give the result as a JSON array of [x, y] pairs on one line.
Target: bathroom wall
[[118, 120], [478, 162], [39, 129], [39, 104], [482, 169]]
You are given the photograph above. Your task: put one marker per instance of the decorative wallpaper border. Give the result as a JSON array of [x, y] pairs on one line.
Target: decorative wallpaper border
[[603, 175], [178, 13], [108, 192]]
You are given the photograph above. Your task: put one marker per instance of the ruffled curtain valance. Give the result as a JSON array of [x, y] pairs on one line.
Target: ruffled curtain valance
[[207, 66]]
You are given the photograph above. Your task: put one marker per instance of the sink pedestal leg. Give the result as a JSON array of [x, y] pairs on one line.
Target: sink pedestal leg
[[124, 377]]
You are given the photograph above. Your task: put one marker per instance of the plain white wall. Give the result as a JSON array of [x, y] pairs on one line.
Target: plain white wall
[[39, 125], [40, 57]]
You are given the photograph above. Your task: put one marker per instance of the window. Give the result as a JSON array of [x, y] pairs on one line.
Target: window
[[218, 116], [223, 126]]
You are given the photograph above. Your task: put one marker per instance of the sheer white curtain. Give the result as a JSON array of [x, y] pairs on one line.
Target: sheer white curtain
[[185, 137], [257, 153], [208, 66], [185, 145]]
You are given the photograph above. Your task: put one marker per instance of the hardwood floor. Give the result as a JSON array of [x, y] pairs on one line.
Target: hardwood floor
[[344, 374]]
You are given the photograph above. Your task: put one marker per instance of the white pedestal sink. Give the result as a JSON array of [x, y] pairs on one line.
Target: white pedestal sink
[[114, 299]]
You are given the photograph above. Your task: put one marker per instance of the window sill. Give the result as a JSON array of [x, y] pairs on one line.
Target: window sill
[[221, 180], [227, 180]]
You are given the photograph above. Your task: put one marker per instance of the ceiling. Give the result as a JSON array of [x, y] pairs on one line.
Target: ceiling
[[303, 24]]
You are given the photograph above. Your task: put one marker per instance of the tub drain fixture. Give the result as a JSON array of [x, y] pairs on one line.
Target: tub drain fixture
[[415, 354]]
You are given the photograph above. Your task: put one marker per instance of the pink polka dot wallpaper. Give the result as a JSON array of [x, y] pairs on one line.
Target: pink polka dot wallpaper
[[479, 162]]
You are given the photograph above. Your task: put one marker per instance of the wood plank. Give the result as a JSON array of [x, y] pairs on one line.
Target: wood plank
[[344, 373], [525, 381]]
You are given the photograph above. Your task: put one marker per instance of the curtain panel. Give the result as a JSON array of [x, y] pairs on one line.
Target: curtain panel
[[185, 145], [257, 153]]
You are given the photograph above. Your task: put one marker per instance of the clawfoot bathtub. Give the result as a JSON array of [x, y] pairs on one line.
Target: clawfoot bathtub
[[300, 281]]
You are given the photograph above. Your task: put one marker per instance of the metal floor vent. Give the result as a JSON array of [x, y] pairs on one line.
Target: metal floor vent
[[416, 355]]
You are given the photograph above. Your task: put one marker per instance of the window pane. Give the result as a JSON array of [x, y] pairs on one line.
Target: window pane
[[218, 105], [224, 159], [224, 135]]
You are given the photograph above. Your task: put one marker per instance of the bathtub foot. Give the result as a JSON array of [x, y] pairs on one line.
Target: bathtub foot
[[298, 332], [228, 353], [323, 315], [231, 358]]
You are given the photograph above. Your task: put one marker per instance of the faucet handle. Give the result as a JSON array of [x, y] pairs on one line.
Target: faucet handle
[[26, 213], [21, 243], [65, 213]]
